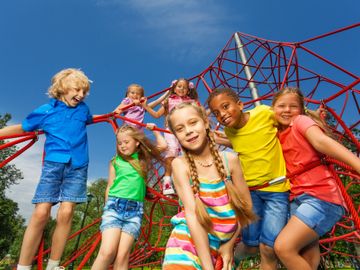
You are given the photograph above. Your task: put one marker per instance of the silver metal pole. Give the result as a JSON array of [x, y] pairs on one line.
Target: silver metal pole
[[252, 86]]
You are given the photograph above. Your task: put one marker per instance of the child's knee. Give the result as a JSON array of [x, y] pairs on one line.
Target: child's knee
[[65, 213], [122, 256], [278, 248], [41, 215], [267, 251], [107, 255]]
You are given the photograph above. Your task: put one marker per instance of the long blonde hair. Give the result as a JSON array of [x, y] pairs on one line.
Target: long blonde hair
[[314, 115], [147, 150], [242, 209]]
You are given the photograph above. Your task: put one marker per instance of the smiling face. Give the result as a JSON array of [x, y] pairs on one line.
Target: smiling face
[[181, 88], [286, 108], [126, 144], [73, 96], [135, 93], [227, 111], [189, 130]]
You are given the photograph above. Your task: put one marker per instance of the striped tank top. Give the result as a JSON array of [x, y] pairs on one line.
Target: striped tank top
[[180, 250]]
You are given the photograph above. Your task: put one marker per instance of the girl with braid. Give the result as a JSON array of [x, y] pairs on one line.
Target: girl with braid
[[214, 197]]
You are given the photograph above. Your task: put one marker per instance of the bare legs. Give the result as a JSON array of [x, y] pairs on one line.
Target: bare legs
[[297, 246], [35, 229], [63, 226], [115, 246], [34, 232]]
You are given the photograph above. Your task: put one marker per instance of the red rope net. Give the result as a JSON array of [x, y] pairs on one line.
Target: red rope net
[[256, 68]]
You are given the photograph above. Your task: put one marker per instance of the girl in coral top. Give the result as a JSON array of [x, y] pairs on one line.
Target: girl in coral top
[[316, 202]]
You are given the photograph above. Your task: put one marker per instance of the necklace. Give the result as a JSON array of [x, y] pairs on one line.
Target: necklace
[[204, 164]]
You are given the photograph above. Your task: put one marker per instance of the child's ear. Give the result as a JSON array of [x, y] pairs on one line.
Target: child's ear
[[137, 144], [240, 104]]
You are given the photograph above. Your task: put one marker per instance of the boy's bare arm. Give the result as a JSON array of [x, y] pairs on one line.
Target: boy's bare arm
[[11, 130]]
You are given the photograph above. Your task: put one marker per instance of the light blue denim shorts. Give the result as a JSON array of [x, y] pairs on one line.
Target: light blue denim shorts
[[60, 182], [272, 208], [319, 215], [123, 214]]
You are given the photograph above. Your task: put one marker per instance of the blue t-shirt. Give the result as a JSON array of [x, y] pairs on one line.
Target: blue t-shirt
[[65, 131]]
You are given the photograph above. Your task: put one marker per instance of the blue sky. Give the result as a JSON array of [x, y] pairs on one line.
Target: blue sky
[[150, 42]]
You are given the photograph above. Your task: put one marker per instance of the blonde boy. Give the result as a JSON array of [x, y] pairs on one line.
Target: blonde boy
[[64, 172]]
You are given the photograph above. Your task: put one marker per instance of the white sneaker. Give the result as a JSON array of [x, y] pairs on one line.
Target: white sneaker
[[168, 189], [59, 268]]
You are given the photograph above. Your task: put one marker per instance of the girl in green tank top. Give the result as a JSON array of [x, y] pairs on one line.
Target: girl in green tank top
[[125, 193]]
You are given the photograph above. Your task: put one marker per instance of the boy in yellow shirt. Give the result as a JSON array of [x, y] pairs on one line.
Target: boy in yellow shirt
[[253, 136]]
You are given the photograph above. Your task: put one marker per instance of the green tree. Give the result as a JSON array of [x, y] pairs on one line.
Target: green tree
[[11, 223]]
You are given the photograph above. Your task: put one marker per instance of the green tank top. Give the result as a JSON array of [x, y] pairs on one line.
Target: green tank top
[[128, 184]]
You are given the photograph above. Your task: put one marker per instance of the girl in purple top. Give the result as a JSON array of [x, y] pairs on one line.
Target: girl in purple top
[[135, 95], [181, 91]]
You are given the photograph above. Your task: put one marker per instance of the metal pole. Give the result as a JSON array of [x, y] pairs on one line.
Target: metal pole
[[252, 86], [89, 198]]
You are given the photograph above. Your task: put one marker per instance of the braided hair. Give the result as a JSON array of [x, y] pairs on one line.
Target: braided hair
[[243, 211]]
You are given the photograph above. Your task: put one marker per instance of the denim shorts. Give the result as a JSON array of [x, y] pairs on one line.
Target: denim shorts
[[272, 208], [123, 214], [319, 215], [60, 182]]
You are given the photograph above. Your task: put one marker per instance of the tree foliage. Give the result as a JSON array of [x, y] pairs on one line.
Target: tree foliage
[[9, 174], [11, 223]]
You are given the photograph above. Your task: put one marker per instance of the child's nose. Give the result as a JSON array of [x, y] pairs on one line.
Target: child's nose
[[188, 129]]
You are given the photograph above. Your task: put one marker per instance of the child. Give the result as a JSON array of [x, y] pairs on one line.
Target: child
[[64, 172], [253, 136], [316, 202], [125, 193], [181, 91], [135, 94], [212, 192]]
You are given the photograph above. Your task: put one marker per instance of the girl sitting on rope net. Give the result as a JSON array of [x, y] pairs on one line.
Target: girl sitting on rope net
[[316, 201]]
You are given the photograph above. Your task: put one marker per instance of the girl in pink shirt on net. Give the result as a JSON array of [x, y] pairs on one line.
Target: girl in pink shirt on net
[[316, 202], [181, 91]]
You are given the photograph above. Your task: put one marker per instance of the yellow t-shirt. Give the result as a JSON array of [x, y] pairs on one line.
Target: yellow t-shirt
[[259, 149]]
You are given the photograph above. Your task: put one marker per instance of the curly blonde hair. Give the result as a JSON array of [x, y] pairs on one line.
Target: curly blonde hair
[[242, 209], [68, 78]]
